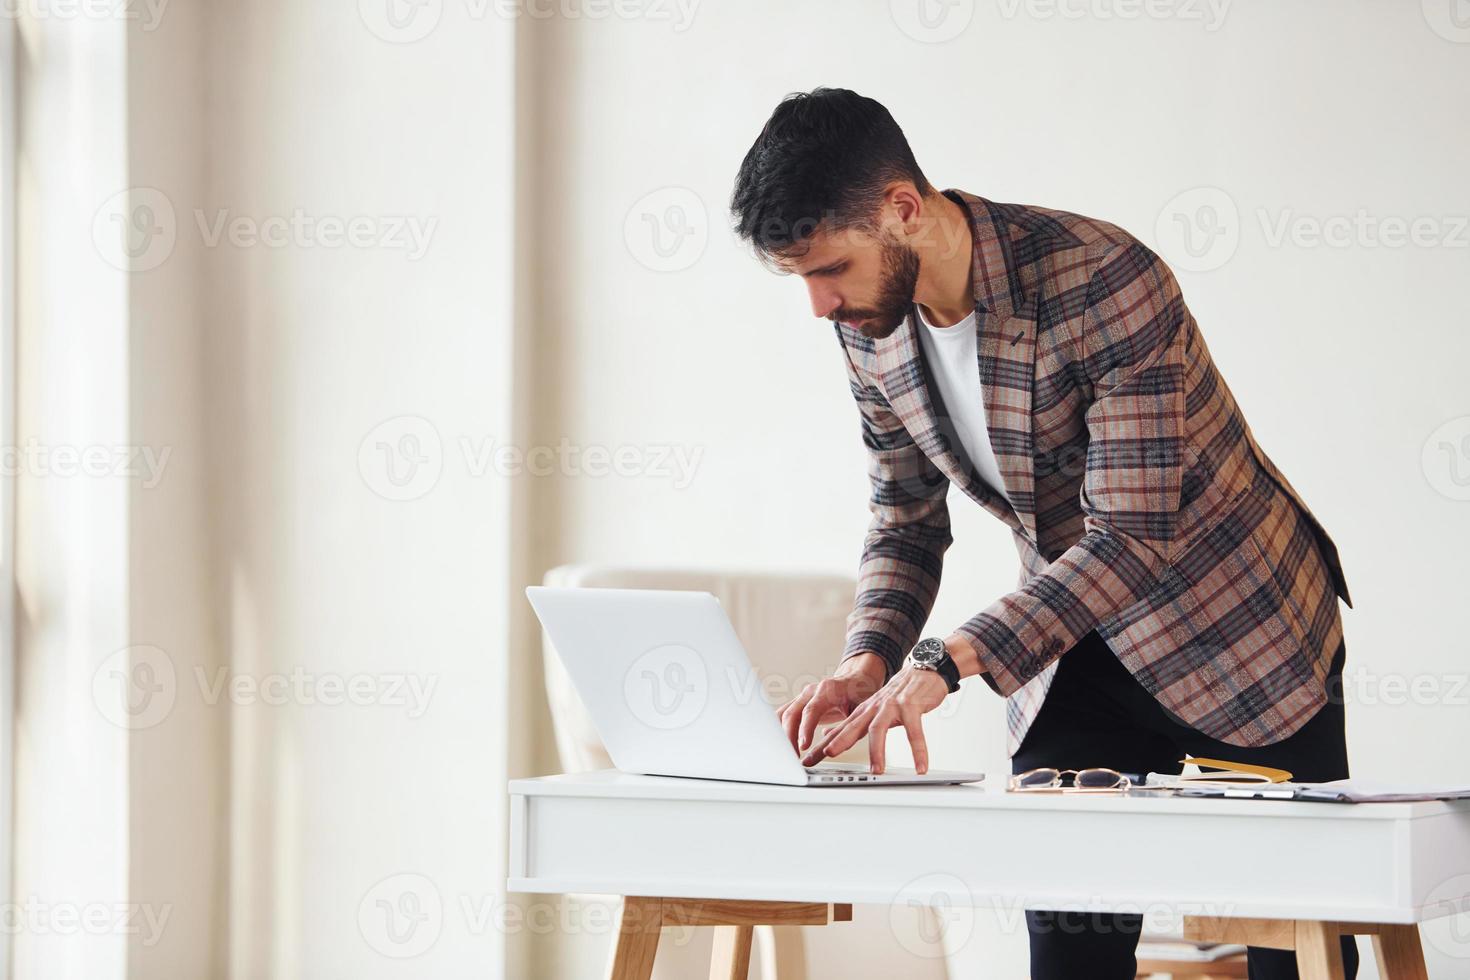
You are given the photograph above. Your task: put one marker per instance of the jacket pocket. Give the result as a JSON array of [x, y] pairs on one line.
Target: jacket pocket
[[1270, 616], [1202, 500]]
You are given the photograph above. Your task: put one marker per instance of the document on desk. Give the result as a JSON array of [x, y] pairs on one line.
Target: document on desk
[[1337, 791], [1374, 791]]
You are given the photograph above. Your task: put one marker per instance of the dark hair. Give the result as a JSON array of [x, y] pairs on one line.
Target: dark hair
[[824, 156]]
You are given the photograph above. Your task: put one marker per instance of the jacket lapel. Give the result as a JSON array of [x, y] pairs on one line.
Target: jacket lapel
[[1007, 369], [1006, 345], [905, 382]]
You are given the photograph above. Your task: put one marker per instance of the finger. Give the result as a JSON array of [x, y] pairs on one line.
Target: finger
[[818, 751], [913, 723], [820, 710], [822, 747], [856, 727], [791, 717], [878, 738]]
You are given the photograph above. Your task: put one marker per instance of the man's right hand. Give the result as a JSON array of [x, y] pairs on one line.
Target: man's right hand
[[831, 699]]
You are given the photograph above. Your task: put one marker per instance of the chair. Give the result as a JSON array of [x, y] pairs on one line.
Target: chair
[[793, 627]]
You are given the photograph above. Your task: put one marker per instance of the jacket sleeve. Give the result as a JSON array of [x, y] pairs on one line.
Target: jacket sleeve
[[903, 550], [1132, 347]]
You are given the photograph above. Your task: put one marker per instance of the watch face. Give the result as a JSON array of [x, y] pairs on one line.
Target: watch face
[[929, 651]]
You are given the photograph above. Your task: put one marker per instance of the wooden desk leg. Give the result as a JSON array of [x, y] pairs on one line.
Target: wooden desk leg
[[641, 918], [1399, 954], [639, 922], [1318, 944], [730, 959], [1318, 951]]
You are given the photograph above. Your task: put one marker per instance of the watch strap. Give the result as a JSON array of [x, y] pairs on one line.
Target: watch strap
[[944, 666], [950, 671]]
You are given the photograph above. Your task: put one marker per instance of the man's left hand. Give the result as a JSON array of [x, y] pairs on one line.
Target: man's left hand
[[902, 701]]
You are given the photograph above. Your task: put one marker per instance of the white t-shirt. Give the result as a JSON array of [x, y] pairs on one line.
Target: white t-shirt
[[954, 360]]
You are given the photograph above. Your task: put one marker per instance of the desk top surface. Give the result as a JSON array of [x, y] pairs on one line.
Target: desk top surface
[[619, 833], [612, 784]]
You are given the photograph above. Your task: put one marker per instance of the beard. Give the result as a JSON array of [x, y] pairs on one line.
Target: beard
[[895, 293]]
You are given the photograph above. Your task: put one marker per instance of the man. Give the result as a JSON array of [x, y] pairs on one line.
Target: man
[[1176, 595]]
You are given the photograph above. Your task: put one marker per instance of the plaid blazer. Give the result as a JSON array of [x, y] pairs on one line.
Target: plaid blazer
[[1140, 503]]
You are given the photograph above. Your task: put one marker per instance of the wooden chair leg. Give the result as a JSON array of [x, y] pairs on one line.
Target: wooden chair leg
[[639, 923], [1231, 968], [641, 918], [1399, 953], [1271, 933], [1318, 951], [730, 959], [781, 951]]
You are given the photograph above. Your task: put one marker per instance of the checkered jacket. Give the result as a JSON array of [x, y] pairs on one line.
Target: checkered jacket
[[1139, 501]]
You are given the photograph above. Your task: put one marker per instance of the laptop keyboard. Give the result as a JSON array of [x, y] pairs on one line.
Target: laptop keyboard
[[838, 767]]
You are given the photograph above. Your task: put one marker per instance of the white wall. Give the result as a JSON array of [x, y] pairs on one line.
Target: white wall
[[177, 780], [71, 760], [1346, 360], [322, 358], [317, 266], [119, 800]]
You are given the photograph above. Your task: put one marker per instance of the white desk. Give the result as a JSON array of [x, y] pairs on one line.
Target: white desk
[[1214, 860]]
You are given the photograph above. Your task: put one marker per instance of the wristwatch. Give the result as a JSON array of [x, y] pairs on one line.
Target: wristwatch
[[930, 654]]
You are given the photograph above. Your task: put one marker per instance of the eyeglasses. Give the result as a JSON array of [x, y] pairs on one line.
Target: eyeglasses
[[1083, 781]]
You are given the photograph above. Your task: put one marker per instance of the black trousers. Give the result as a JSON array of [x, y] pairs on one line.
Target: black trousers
[[1096, 714]]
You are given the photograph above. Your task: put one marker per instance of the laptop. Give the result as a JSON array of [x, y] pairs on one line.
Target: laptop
[[672, 692]]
